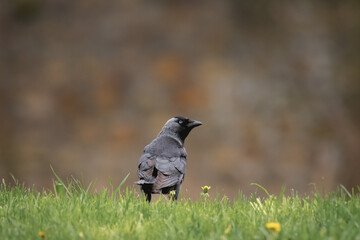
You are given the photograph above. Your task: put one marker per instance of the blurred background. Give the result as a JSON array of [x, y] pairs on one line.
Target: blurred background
[[85, 85]]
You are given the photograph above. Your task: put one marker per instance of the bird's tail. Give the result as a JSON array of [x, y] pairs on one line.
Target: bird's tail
[[143, 182]]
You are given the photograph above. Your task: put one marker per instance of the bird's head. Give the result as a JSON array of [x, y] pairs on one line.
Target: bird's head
[[179, 127]]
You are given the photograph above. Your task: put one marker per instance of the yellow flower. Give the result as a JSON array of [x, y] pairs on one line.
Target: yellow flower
[[205, 188], [227, 230], [172, 194], [274, 226], [81, 234], [41, 234]]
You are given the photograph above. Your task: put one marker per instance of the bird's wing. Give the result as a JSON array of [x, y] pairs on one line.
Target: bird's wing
[[146, 169], [163, 163], [170, 171]]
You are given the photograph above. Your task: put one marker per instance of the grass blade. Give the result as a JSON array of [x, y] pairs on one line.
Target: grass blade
[[122, 182], [345, 190], [60, 181], [259, 186]]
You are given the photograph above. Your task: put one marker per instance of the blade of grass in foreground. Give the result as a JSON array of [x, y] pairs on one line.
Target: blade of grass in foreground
[[113, 193], [60, 181], [259, 186]]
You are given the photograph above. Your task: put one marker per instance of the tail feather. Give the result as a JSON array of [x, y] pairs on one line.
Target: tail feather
[[143, 182]]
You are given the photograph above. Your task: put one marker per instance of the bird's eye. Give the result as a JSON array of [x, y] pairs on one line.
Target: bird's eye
[[180, 121]]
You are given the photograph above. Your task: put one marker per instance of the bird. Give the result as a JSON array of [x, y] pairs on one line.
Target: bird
[[161, 167]]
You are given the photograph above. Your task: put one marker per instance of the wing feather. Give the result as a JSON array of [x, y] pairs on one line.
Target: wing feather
[[170, 172], [146, 168], [162, 164]]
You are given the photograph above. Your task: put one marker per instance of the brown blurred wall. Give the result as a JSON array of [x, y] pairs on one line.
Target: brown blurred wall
[[85, 85]]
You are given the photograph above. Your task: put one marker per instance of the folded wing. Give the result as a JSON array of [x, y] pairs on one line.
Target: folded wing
[[161, 171], [171, 172]]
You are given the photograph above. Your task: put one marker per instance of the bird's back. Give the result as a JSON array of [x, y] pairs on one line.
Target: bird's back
[[162, 164]]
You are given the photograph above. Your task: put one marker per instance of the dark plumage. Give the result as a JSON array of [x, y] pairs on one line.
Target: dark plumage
[[162, 165]]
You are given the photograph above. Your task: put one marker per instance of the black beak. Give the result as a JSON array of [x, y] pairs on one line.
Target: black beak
[[193, 124]]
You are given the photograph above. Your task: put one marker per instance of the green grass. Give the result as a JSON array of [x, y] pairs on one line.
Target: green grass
[[72, 211]]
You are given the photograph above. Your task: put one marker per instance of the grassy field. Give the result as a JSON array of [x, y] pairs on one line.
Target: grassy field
[[72, 211]]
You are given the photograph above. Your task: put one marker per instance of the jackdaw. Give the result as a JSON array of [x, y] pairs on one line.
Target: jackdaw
[[161, 167]]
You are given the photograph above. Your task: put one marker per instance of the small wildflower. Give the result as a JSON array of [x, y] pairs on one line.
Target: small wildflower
[[81, 234], [205, 189], [227, 230], [41, 234], [274, 226], [172, 194]]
